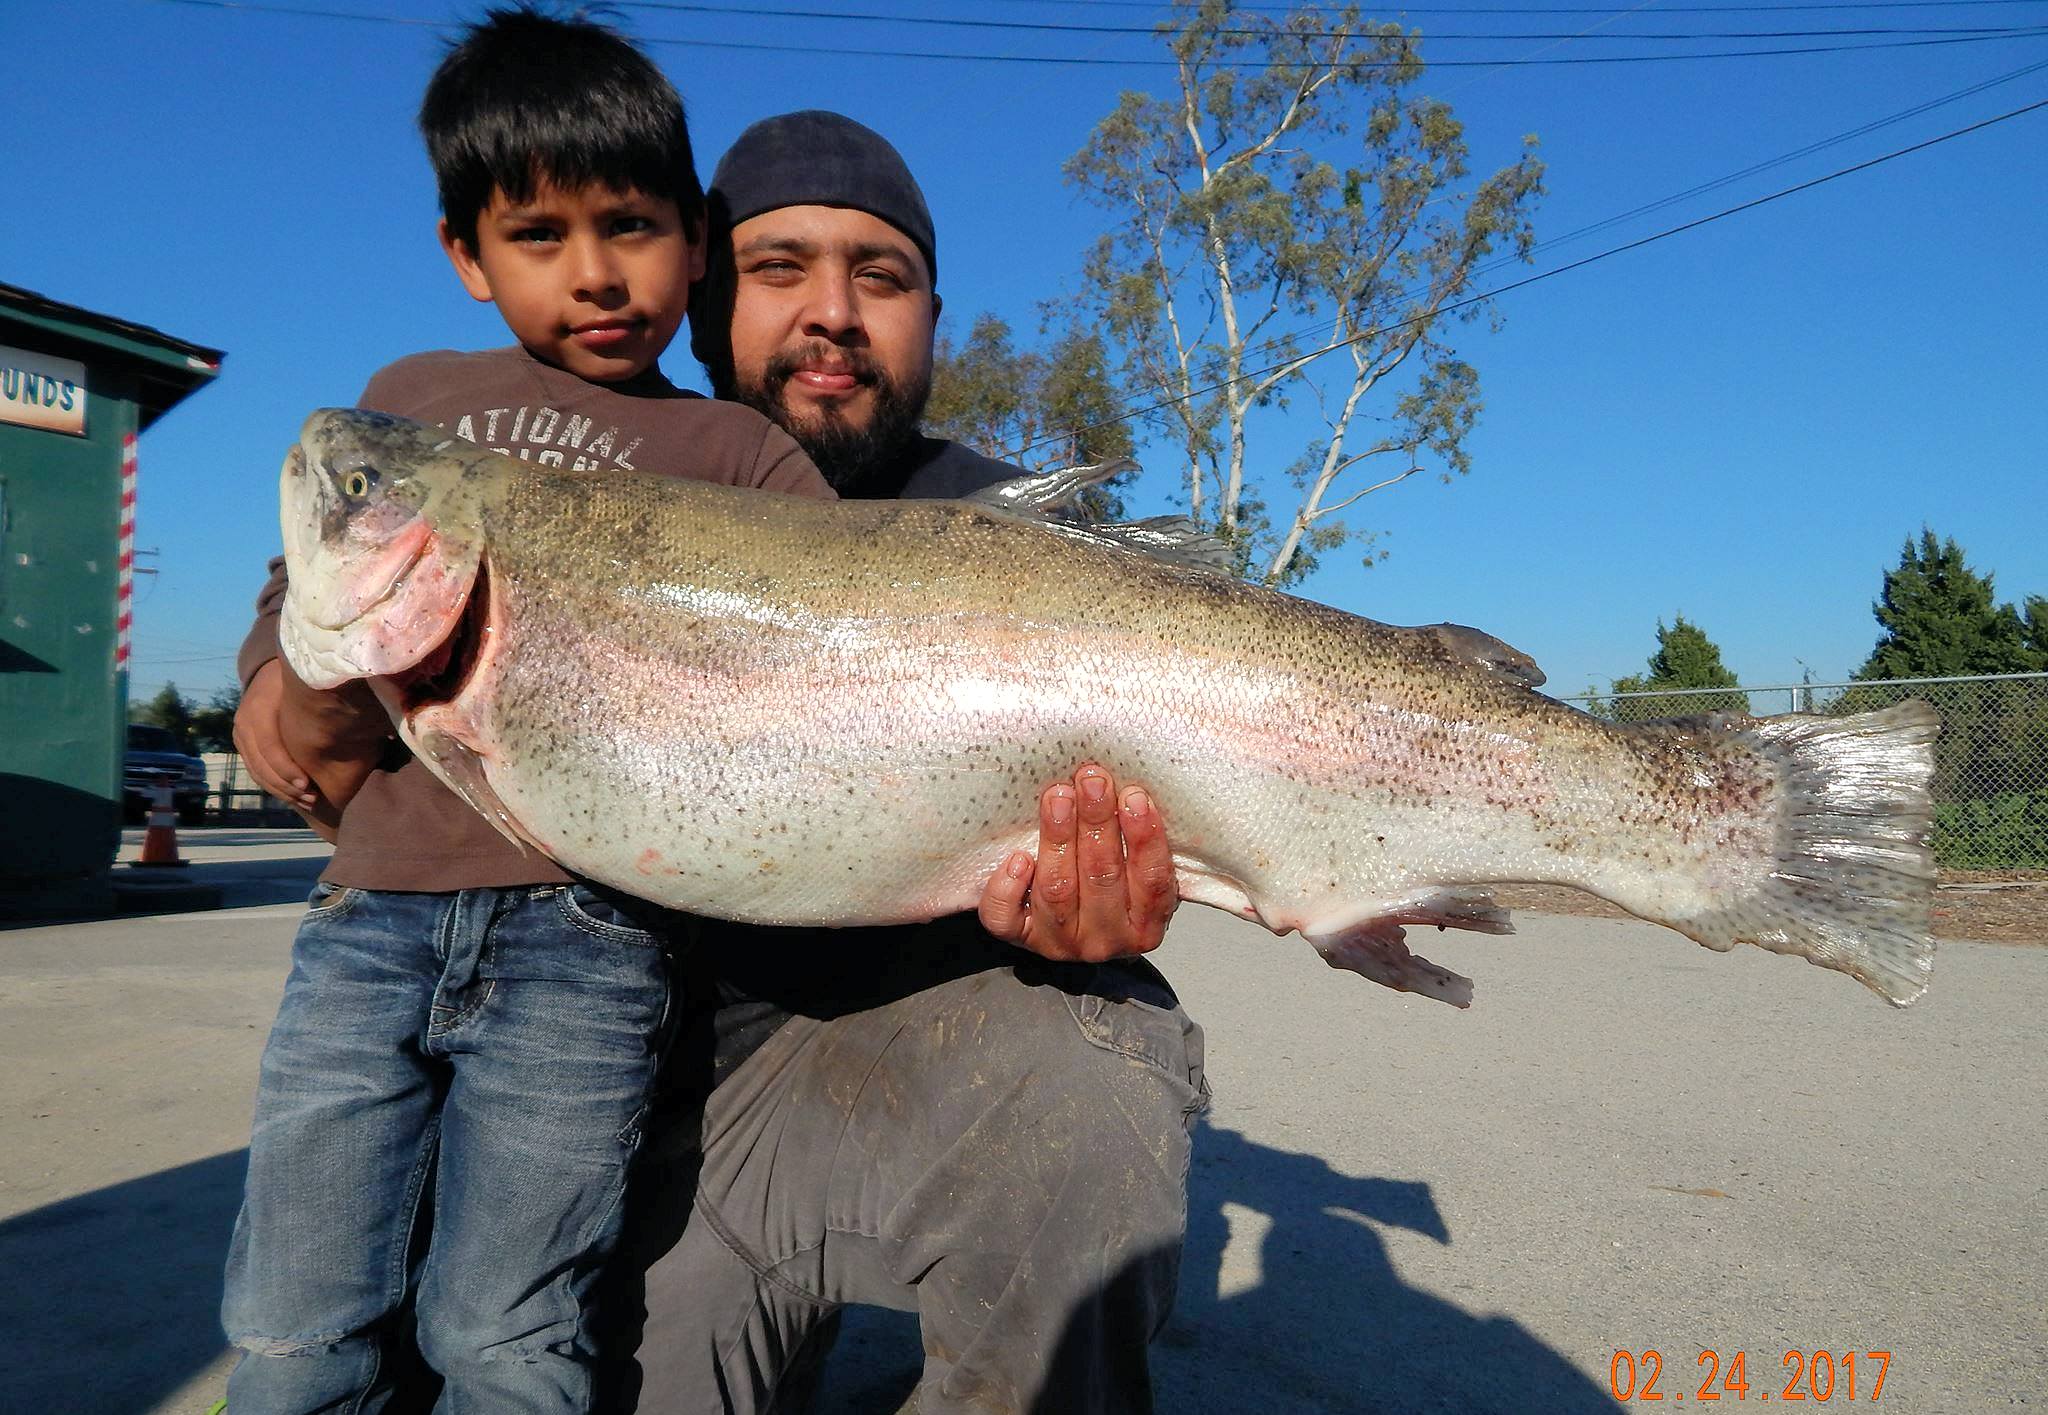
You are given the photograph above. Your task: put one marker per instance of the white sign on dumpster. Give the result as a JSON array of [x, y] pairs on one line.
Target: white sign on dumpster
[[39, 391]]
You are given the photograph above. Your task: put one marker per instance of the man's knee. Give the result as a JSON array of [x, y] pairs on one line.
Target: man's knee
[[1097, 1069], [1128, 1008], [1129, 1056]]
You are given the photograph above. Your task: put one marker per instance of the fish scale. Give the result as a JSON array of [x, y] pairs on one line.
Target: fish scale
[[787, 711]]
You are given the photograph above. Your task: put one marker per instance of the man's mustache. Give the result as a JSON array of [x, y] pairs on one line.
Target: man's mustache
[[783, 366]]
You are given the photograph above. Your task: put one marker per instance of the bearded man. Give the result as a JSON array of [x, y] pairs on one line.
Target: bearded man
[[921, 1117]]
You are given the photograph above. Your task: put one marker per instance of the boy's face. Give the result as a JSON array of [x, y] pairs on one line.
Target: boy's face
[[589, 279], [832, 322]]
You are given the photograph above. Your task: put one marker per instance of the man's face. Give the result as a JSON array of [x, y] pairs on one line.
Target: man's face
[[832, 324], [591, 280]]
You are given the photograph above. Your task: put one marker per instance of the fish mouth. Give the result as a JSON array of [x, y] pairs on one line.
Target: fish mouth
[[443, 675], [395, 570]]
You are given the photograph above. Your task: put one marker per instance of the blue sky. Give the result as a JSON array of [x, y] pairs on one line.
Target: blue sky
[[1742, 423]]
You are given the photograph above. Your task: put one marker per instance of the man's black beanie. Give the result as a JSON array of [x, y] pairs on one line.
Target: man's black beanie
[[815, 158]]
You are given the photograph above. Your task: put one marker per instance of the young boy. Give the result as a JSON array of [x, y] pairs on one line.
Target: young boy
[[469, 1036]]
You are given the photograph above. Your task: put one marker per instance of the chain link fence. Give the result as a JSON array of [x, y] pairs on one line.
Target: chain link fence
[[1990, 762]]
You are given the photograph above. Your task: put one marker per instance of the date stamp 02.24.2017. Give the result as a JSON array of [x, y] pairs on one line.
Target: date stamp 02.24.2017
[[1822, 1376]]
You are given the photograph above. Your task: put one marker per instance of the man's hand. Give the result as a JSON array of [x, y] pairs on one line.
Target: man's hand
[[1103, 885], [311, 749]]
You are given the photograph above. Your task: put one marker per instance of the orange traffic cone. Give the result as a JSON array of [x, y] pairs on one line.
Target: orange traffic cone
[[160, 841]]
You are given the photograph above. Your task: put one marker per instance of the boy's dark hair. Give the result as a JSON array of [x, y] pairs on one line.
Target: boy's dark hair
[[524, 97]]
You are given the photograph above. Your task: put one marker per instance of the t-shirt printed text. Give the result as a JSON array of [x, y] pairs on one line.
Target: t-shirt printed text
[[549, 437]]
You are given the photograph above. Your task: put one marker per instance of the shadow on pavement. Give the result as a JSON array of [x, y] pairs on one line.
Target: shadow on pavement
[[246, 883], [243, 884], [1330, 1325], [113, 1298]]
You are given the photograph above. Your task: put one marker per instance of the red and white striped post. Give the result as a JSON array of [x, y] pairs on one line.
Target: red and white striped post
[[124, 591]]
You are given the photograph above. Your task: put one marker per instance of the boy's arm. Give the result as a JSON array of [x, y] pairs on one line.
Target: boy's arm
[[311, 748]]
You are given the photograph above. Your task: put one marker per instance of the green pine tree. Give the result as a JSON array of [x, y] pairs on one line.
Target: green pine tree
[[2035, 621], [1685, 658], [1942, 619]]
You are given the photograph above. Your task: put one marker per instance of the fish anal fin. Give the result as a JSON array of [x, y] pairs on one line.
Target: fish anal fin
[[1378, 949]]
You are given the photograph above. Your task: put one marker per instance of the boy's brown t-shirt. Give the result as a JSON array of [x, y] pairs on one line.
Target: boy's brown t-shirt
[[405, 830]]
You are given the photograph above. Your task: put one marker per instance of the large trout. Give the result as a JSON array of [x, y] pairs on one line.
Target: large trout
[[764, 708]]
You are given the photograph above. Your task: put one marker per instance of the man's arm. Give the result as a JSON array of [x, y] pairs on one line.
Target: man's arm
[[1103, 885]]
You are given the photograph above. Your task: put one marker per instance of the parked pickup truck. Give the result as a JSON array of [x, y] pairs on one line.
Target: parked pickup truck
[[154, 760]]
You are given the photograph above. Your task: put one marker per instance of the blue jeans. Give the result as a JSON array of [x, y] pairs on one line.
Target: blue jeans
[[474, 1067]]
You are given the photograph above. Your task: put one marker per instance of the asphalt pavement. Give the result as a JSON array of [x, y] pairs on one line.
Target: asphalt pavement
[[1628, 1145]]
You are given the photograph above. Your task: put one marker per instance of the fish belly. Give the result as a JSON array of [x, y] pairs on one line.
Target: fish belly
[[885, 781]]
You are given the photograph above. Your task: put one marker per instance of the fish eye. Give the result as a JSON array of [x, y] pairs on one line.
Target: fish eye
[[357, 483]]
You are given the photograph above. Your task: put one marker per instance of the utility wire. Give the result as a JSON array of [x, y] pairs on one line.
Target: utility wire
[[313, 12], [1567, 60], [1808, 6], [838, 52], [1365, 31], [1469, 300], [1715, 184]]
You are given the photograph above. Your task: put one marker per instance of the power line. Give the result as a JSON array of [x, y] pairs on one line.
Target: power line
[[1469, 300], [1807, 151], [1808, 6], [312, 12], [839, 52], [1716, 183], [1367, 32], [1569, 60]]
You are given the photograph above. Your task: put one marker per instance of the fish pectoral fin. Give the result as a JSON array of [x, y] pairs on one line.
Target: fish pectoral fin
[[461, 768], [1378, 949]]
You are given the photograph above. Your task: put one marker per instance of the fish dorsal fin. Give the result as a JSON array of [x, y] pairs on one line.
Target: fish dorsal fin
[[1174, 539], [1041, 492]]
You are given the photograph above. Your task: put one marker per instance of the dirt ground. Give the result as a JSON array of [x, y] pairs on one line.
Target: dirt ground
[[1993, 906]]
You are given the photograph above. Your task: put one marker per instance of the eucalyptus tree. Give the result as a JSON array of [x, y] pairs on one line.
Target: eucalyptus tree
[[1293, 224]]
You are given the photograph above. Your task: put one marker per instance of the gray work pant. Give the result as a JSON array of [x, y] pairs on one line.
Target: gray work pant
[[1005, 1154]]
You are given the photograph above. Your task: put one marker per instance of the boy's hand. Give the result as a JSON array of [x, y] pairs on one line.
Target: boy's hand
[[1103, 885], [312, 749]]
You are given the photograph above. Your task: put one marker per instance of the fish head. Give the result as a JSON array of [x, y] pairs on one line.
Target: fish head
[[383, 540]]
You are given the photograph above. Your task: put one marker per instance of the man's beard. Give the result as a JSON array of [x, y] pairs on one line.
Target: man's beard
[[858, 460]]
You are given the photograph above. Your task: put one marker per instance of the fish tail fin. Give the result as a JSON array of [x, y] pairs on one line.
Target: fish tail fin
[[1852, 879]]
